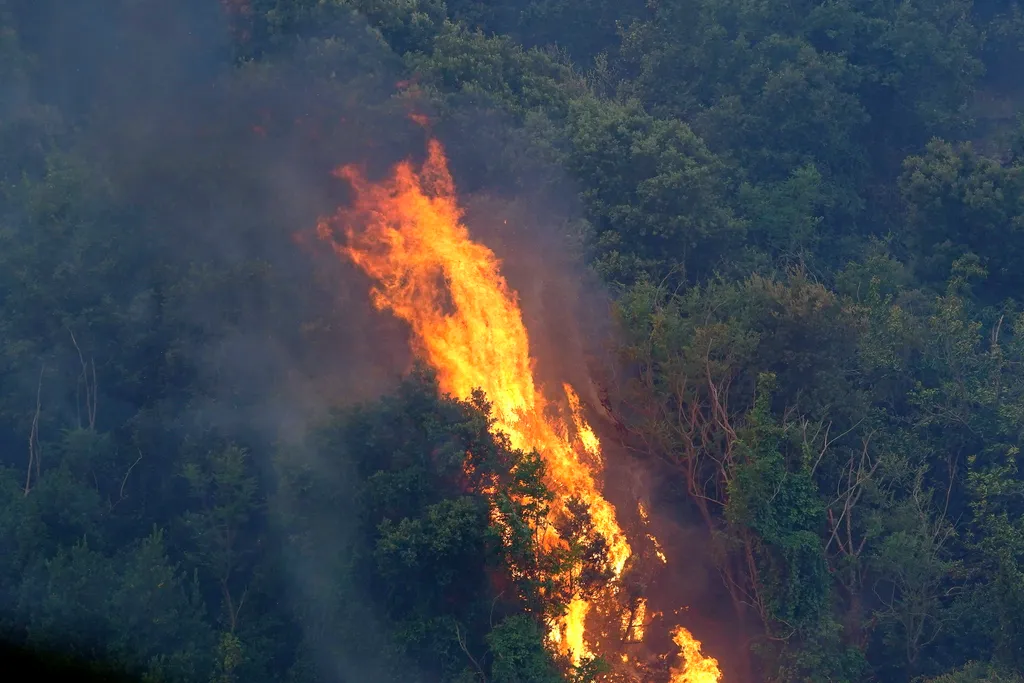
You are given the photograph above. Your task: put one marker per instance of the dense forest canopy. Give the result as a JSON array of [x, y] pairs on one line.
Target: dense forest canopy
[[219, 462]]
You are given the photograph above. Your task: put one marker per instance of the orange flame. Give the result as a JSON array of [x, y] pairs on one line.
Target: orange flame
[[467, 324], [419, 119], [650, 537], [634, 622], [407, 233], [695, 667]]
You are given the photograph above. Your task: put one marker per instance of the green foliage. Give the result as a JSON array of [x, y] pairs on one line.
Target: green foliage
[[464, 66], [137, 610], [782, 508], [816, 259], [777, 512], [963, 203], [977, 672], [226, 496], [426, 549], [653, 193], [583, 28], [785, 217], [995, 489], [518, 654]]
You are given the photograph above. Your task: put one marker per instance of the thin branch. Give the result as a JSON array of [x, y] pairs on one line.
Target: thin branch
[[494, 602], [995, 332], [91, 392], [856, 476], [462, 644], [832, 442], [233, 611], [241, 602], [124, 480], [95, 395], [824, 448], [129, 472], [34, 451], [952, 462]]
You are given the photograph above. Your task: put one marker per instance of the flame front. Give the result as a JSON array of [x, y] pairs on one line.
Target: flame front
[[695, 667], [467, 324], [407, 233]]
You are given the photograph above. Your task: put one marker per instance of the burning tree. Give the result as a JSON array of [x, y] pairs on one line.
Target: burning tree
[[407, 233]]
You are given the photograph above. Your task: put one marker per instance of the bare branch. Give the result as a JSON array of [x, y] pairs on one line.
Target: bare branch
[[91, 390], [91, 405], [233, 610], [462, 644], [34, 451], [494, 602], [831, 442], [858, 472], [995, 332], [124, 480], [241, 602]]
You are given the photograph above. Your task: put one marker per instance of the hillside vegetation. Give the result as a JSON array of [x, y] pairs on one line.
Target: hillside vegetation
[[810, 218]]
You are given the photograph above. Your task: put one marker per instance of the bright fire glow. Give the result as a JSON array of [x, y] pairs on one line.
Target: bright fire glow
[[634, 622], [407, 233], [659, 553], [695, 667]]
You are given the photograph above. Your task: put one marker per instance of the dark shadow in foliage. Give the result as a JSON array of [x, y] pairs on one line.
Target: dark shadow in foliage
[[29, 664]]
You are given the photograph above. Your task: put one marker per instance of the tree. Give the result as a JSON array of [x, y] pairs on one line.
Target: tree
[[652, 193], [444, 542], [138, 610], [961, 203]]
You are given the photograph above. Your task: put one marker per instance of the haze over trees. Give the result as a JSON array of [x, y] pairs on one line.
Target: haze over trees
[[810, 216]]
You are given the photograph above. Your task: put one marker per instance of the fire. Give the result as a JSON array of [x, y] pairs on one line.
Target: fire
[[633, 622], [658, 551], [419, 119], [407, 233], [695, 667], [467, 324], [586, 435]]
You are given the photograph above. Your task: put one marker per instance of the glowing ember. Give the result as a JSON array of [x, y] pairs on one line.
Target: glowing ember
[[634, 622], [407, 233], [650, 537]]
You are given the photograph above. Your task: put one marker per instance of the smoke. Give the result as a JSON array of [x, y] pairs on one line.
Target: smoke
[[175, 183], [203, 180], [216, 168], [209, 176], [227, 166], [564, 306], [522, 205], [529, 217]]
